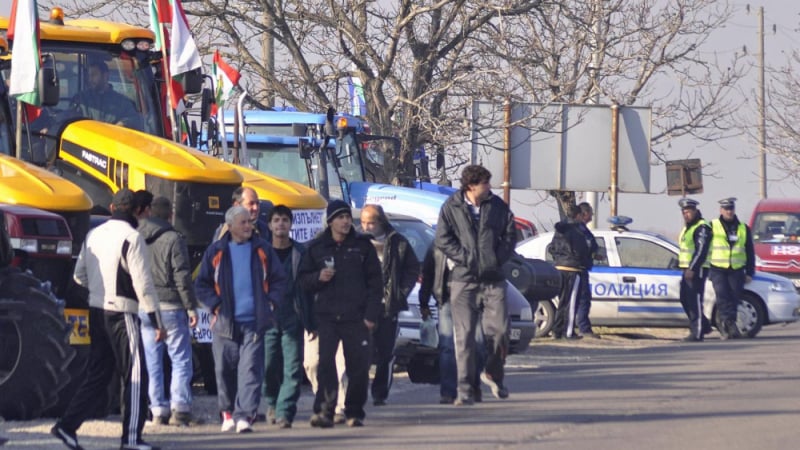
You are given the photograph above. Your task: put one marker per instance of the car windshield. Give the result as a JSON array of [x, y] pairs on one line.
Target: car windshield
[[771, 227]]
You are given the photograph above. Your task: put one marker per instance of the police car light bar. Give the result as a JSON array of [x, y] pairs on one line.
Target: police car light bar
[[620, 223]]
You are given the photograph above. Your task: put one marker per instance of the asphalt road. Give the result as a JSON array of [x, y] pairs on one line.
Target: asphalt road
[[641, 389]]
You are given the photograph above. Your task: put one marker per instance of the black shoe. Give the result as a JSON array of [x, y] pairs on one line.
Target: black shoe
[[355, 422], [590, 335], [320, 421], [477, 395], [379, 401], [180, 418], [692, 338], [141, 445], [574, 337], [730, 330], [446, 400], [67, 437]]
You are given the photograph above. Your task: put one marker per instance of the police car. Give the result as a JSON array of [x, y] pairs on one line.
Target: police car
[[636, 282]]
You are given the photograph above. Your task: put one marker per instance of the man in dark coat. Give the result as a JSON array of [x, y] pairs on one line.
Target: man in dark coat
[[476, 233], [342, 274]]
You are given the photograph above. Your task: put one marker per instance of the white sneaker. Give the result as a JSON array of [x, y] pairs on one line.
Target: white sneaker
[[243, 426], [227, 422]]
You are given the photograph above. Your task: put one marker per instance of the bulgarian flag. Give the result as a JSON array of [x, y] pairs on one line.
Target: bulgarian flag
[[183, 55], [25, 59], [225, 79]]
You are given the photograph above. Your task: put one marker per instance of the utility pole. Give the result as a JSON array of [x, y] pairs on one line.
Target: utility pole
[[762, 126], [597, 8], [268, 56]]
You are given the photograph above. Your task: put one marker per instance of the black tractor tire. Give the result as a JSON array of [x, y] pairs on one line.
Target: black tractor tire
[[34, 347], [77, 374]]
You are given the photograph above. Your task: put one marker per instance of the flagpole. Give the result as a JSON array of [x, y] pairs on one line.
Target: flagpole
[[18, 136], [222, 133], [170, 94]]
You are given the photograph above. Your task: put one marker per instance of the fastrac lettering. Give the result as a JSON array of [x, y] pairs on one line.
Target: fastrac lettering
[[95, 160]]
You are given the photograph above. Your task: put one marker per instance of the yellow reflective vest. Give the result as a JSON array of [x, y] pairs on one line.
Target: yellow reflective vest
[[686, 242], [722, 254]]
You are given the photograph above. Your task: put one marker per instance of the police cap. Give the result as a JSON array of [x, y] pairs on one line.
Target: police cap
[[688, 203], [728, 203]]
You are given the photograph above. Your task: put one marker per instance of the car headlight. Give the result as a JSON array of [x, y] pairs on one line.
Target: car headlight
[[781, 286], [28, 245], [526, 314]]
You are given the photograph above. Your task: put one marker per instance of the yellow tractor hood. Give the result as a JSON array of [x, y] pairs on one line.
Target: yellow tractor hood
[[103, 148], [28, 185], [280, 191]]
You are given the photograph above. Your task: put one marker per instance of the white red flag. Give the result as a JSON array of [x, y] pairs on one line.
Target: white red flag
[[183, 56], [25, 59]]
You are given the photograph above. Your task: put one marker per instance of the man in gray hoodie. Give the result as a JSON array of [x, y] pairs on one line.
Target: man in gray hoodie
[[169, 264]]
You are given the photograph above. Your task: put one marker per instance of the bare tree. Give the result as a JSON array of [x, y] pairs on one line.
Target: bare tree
[[409, 55], [627, 52], [782, 113], [422, 62]]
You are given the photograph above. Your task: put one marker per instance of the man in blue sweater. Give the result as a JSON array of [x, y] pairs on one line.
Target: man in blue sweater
[[242, 282]]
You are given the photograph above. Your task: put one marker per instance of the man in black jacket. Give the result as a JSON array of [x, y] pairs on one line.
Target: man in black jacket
[[476, 232], [342, 274], [400, 270], [570, 253]]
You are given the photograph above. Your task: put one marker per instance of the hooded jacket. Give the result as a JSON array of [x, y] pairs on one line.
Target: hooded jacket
[[478, 250], [214, 284], [569, 248], [355, 291], [169, 264]]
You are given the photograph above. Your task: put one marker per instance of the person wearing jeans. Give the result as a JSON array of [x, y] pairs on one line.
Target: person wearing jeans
[[169, 264], [178, 345], [448, 386]]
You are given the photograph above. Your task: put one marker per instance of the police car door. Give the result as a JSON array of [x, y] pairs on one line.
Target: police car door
[[648, 282], [602, 275]]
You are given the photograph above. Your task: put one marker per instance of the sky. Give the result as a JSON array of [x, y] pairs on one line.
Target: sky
[[733, 162]]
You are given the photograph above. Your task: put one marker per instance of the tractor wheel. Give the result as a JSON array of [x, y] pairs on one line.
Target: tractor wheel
[[34, 347]]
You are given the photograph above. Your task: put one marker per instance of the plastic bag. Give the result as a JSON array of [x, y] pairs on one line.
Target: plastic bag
[[428, 334]]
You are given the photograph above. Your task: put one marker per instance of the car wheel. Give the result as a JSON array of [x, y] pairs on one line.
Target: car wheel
[[751, 315], [543, 317]]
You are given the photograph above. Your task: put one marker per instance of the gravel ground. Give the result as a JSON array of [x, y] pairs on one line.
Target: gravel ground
[[104, 434]]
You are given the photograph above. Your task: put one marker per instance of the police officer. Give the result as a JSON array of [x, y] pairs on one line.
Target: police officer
[[732, 264], [694, 241]]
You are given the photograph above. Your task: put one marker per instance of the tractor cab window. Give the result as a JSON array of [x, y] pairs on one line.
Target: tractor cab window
[[100, 86]]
